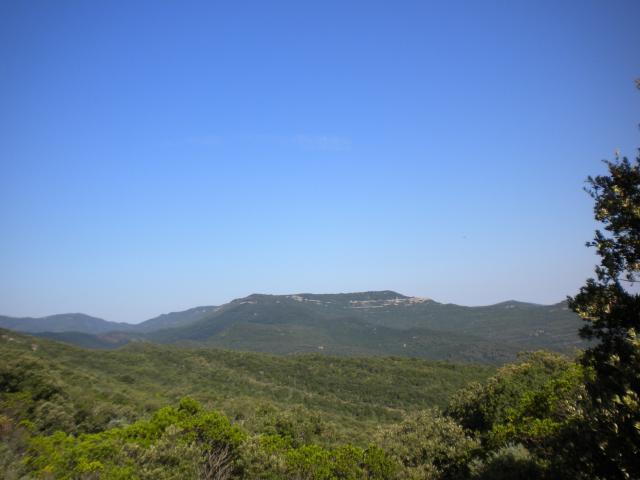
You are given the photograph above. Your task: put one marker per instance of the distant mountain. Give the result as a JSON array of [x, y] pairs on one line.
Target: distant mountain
[[355, 324], [79, 323], [66, 322], [381, 323]]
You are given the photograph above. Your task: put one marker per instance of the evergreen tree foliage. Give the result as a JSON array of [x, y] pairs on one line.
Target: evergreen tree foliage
[[608, 443]]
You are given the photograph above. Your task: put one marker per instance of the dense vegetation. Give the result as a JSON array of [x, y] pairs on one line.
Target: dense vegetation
[[352, 395], [73, 413]]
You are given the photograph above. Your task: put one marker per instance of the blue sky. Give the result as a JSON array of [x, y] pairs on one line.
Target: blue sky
[[156, 156]]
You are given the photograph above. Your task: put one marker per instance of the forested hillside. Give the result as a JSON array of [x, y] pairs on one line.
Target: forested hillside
[[354, 394], [350, 324], [66, 412]]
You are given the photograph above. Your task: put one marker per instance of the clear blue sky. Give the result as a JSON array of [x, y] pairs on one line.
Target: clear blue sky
[[156, 156]]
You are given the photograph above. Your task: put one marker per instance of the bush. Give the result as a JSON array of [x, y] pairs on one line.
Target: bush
[[508, 463], [176, 443], [430, 443], [541, 386]]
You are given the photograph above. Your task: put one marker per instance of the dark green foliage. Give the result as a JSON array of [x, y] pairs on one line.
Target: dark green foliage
[[541, 416], [100, 414], [325, 397], [535, 404], [608, 443], [481, 407]]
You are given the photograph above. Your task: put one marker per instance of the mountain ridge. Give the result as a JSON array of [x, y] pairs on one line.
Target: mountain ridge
[[87, 324], [386, 293], [350, 324]]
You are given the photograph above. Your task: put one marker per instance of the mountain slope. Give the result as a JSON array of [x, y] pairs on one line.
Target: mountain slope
[[381, 323], [174, 319]]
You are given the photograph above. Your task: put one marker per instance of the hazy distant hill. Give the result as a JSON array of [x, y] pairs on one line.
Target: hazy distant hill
[[354, 324], [66, 322], [79, 323]]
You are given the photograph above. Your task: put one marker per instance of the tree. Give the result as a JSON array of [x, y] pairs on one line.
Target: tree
[[609, 441]]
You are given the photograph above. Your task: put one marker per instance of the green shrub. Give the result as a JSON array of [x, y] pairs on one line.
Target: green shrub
[[175, 443], [430, 443], [508, 463]]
